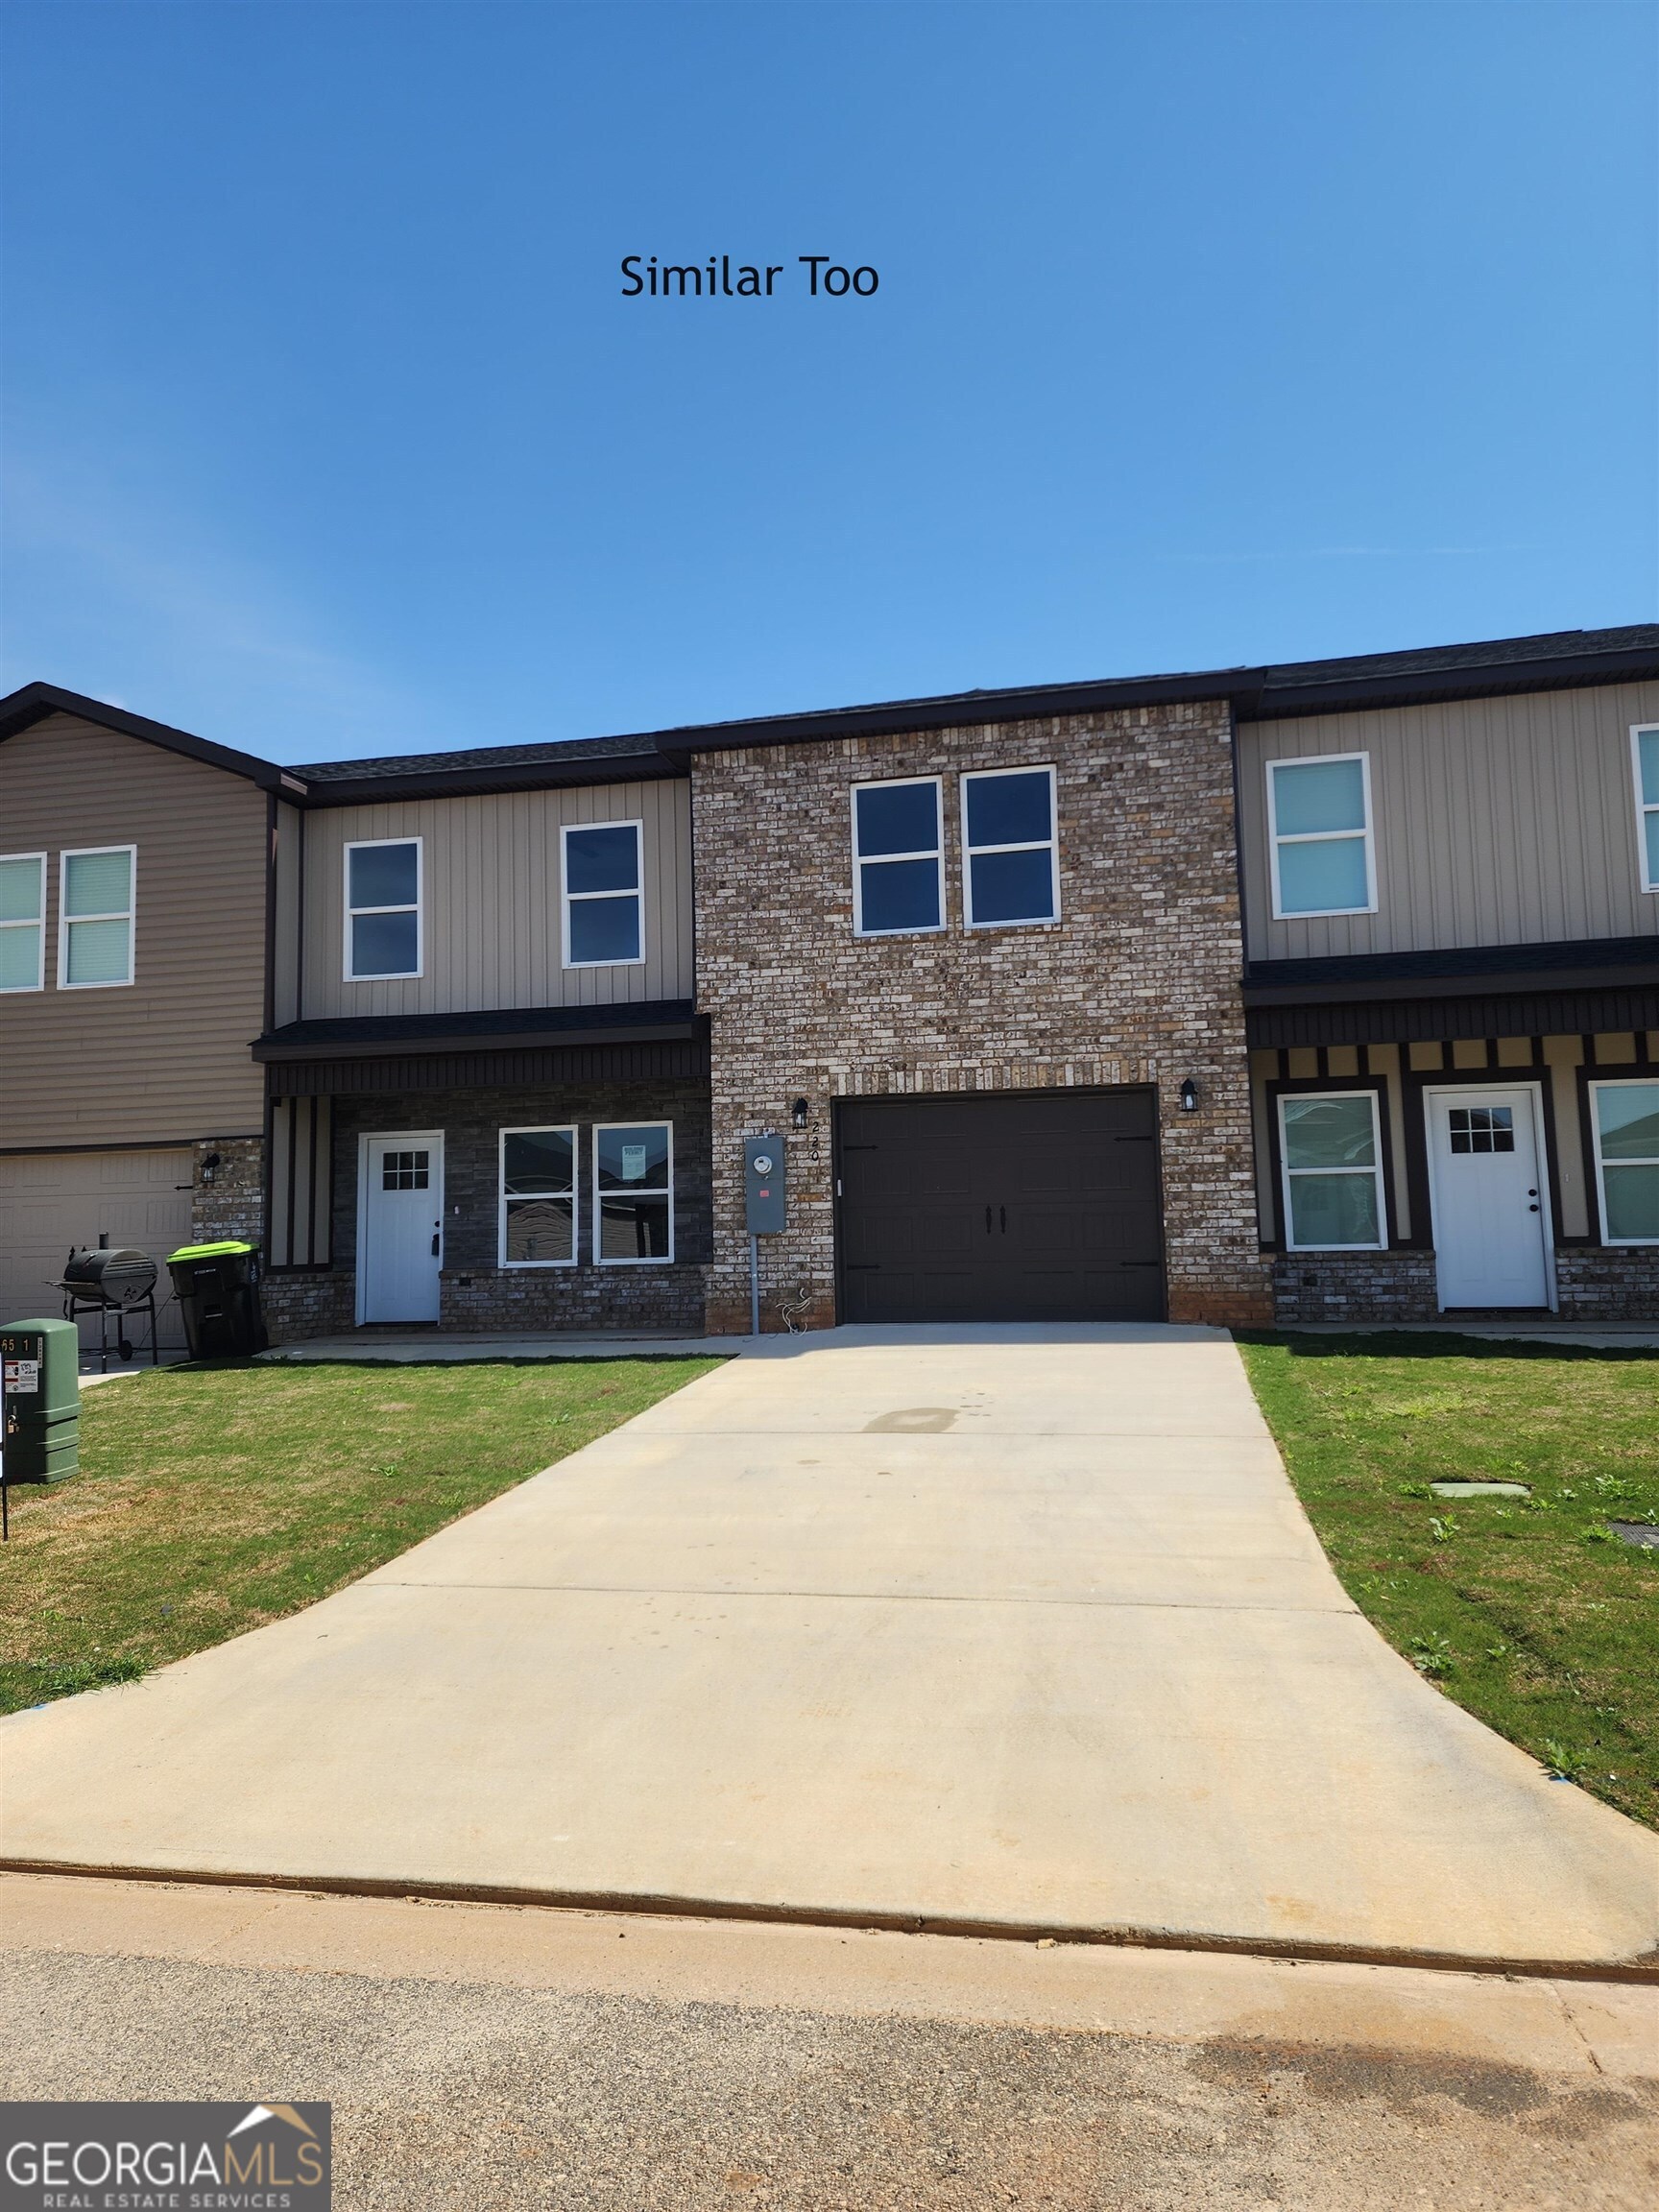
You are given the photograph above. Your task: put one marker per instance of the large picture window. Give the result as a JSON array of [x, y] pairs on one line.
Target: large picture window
[[23, 921], [1330, 1148], [1645, 749], [538, 1198], [1320, 831], [633, 1193], [604, 895], [1624, 1119], [1010, 863], [383, 910], [898, 858], [95, 917]]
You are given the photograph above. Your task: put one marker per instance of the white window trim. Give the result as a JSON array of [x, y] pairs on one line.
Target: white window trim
[[568, 897], [1648, 1081], [934, 852], [1375, 1171], [419, 910], [1049, 844], [1643, 804], [1320, 836], [129, 914], [538, 1129], [645, 1190], [11, 989]]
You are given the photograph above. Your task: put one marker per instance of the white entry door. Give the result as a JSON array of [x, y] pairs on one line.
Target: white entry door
[[1491, 1211], [401, 1227]]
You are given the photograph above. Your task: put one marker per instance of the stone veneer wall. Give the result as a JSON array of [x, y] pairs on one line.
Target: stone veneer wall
[[1137, 984], [477, 1294], [233, 1203], [1593, 1284]]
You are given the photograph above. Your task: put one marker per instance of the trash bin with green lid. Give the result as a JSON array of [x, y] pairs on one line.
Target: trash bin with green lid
[[217, 1286], [40, 1390]]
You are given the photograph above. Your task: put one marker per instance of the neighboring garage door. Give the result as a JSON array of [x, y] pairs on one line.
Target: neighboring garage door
[[1033, 1207], [52, 1200]]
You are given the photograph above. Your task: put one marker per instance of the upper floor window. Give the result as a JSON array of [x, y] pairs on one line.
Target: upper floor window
[[95, 917], [23, 921], [383, 910], [1320, 831], [898, 856], [1331, 1155], [1625, 1118], [604, 894], [1010, 865], [1645, 747]]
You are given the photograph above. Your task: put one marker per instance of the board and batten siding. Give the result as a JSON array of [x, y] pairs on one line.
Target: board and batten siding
[[1504, 821], [165, 1058], [492, 891]]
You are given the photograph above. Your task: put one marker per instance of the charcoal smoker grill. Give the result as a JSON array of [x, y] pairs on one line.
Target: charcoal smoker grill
[[104, 1281]]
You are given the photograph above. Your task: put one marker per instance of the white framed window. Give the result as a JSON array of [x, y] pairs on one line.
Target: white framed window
[[1331, 1154], [538, 1197], [1645, 762], [1625, 1125], [96, 894], [604, 902], [384, 931], [1320, 836], [23, 921], [633, 1193], [898, 856], [1010, 854]]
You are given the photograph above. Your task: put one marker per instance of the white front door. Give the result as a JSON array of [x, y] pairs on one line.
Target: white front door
[[401, 1227], [1485, 1158]]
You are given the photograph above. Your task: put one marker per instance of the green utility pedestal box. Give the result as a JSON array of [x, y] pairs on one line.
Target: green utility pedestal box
[[40, 1381]]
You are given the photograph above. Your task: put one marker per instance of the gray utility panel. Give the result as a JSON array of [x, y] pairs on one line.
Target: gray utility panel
[[764, 1183], [1041, 1206]]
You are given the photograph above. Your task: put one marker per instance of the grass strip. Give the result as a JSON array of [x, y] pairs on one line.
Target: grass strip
[[213, 1499], [1529, 1612]]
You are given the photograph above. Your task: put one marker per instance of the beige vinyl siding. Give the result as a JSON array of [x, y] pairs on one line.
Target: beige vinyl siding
[[492, 887], [290, 867], [164, 1058], [1497, 822]]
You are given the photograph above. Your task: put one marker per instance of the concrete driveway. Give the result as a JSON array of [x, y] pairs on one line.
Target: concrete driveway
[[995, 1625]]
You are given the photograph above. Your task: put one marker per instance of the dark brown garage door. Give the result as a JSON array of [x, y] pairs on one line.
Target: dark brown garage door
[[1033, 1207]]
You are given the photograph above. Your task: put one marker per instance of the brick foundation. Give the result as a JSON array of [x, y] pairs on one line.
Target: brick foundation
[[1593, 1284], [1137, 984]]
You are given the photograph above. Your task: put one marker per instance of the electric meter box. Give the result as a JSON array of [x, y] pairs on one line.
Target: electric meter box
[[41, 1396], [763, 1184]]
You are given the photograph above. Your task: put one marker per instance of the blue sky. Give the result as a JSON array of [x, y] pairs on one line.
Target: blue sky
[[1205, 334]]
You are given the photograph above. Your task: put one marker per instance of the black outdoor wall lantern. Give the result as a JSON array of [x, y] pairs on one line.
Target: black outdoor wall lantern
[[1188, 1096], [799, 1113]]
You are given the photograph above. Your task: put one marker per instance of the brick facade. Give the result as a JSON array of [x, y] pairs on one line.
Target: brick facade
[[476, 1294], [233, 1203], [1138, 982]]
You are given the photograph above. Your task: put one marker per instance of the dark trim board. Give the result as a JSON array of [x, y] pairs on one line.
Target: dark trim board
[[490, 1070], [1443, 1021]]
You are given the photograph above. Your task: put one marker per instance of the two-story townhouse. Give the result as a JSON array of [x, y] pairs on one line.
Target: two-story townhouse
[[136, 872], [1327, 990], [1451, 870]]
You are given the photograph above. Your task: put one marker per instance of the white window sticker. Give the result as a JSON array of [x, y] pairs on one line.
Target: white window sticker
[[23, 1378], [634, 1162]]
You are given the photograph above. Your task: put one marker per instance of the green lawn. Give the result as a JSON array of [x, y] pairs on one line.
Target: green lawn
[[213, 1499], [1528, 1612]]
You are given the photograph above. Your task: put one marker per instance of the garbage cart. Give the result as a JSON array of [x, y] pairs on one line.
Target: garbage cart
[[217, 1286]]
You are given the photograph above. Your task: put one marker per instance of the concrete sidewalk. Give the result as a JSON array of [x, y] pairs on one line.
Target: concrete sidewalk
[[1012, 1626]]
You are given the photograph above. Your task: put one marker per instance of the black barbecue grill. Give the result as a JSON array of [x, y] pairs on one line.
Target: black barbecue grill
[[119, 1282]]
